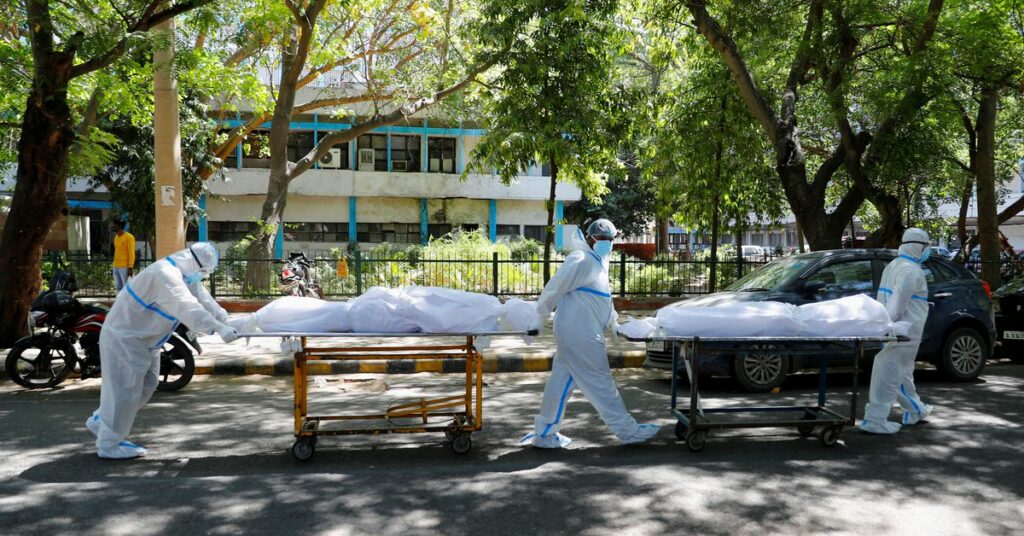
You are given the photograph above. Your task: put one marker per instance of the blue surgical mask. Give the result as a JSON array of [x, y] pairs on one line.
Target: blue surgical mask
[[603, 248], [924, 256], [192, 279]]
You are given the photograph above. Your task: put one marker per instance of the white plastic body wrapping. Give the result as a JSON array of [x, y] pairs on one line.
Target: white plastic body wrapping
[[853, 316], [297, 314], [749, 319]]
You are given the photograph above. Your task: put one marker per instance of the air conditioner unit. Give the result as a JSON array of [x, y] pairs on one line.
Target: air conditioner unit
[[366, 157], [400, 165], [331, 160]]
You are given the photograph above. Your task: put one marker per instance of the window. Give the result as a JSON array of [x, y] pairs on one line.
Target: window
[[191, 232], [392, 233], [507, 230], [535, 232], [850, 277], [379, 144], [545, 170], [316, 232], [300, 143], [944, 273], [230, 231], [437, 230], [405, 153], [441, 155], [255, 150]]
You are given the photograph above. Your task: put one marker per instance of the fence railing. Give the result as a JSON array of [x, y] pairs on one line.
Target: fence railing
[[491, 274]]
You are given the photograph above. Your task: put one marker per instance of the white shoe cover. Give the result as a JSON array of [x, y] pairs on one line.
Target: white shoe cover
[[93, 424], [643, 433], [914, 417], [122, 451], [879, 427], [556, 441]]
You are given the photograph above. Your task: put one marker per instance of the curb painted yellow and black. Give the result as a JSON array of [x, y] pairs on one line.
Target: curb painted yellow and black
[[284, 365]]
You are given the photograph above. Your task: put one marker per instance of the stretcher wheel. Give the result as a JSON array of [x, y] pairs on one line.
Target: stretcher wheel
[[461, 443], [830, 435], [450, 434], [681, 430], [806, 430], [696, 440], [303, 449]]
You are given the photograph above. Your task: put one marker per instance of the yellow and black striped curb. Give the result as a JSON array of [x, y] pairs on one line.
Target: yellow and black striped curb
[[284, 366]]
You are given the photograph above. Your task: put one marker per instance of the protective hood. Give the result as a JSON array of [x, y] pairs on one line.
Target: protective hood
[[199, 259], [576, 242], [602, 229], [915, 245]]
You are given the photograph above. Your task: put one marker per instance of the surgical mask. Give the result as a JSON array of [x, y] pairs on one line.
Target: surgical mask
[[192, 279], [924, 256], [603, 248]]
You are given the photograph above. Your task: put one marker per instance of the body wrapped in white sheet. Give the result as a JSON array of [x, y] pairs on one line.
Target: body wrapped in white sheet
[[295, 314], [410, 309], [853, 316]]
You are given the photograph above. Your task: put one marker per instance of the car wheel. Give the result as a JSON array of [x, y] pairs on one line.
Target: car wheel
[[760, 370], [963, 356]]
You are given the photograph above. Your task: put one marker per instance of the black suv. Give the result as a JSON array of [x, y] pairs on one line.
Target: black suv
[[958, 336]]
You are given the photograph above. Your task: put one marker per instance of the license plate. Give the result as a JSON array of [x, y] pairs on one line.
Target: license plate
[[1014, 335]]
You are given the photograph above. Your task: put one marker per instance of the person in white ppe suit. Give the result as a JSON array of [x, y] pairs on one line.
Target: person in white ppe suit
[[582, 294], [904, 292], [144, 315]]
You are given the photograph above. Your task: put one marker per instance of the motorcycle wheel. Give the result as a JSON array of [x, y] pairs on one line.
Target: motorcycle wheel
[[177, 366], [39, 361]]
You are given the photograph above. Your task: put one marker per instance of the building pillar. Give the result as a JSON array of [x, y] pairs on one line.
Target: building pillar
[[316, 137], [169, 199], [389, 149], [203, 228], [493, 225], [238, 148], [353, 150], [279, 241], [424, 222], [423, 149], [458, 152], [352, 221], [559, 210]]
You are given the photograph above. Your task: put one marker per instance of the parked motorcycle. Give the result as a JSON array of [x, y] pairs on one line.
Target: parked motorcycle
[[57, 321], [296, 277]]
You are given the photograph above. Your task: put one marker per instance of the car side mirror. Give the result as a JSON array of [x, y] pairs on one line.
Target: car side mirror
[[811, 288]]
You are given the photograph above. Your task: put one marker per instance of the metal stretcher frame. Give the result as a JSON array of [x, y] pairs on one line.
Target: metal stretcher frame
[[462, 413], [694, 422]]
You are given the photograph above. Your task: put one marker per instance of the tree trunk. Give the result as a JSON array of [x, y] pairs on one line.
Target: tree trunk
[[799, 237], [890, 230], [663, 235], [713, 259], [39, 193], [549, 233], [965, 203], [988, 217]]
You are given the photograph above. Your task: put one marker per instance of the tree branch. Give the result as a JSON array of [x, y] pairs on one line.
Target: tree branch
[[149, 19]]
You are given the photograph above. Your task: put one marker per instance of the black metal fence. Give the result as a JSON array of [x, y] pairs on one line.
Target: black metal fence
[[492, 274]]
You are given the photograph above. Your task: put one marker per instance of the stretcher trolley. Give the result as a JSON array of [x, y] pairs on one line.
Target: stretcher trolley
[[694, 421], [457, 416]]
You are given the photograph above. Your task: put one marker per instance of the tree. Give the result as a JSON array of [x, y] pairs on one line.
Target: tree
[[631, 201], [401, 78], [824, 47], [66, 43], [550, 103]]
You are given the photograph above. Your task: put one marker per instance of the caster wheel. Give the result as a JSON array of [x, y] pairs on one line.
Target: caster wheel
[[806, 430], [681, 431], [451, 434], [830, 435], [461, 443], [696, 440], [303, 449]]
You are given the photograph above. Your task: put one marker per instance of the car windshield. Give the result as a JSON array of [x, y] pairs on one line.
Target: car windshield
[[774, 274]]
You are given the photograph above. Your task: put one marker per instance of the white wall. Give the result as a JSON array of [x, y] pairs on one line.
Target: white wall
[[344, 183]]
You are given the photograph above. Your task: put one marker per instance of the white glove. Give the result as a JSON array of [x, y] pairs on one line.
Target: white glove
[[227, 333], [222, 316], [538, 324]]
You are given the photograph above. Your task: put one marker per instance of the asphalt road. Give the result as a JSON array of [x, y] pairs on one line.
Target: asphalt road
[[219, 463]]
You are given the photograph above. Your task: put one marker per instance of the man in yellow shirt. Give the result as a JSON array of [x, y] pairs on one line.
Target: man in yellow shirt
[[124, 254]]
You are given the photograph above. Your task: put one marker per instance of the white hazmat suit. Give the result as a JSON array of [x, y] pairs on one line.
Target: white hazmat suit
[[904, 292], [145, 314], [581, 291]]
